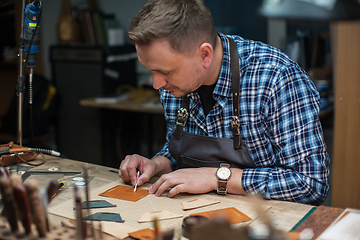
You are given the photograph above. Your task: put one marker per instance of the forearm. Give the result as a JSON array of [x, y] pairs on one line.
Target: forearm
[[284, 184], [234, 185], [162, 165]]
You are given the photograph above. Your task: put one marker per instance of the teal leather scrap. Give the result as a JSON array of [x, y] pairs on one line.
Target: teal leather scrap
[[97, 204], [101, 216]]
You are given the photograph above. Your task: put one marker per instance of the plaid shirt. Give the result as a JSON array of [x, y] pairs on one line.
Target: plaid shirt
[[279, 117]]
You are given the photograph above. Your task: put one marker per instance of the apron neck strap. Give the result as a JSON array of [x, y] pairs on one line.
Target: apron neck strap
[[235, 82], [183, 112]]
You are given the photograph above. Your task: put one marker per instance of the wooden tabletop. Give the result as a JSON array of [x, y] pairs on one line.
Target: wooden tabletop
[[285, 215], [147, 105]]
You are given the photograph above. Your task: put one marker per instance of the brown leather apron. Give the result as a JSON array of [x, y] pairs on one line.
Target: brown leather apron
[[192, 150]]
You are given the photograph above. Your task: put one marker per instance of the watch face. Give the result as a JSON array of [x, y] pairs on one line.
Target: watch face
[[223, 173]]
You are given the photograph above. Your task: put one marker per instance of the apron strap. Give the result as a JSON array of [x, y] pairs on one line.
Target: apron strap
[[183, 112], [182, 117], [235, 82]]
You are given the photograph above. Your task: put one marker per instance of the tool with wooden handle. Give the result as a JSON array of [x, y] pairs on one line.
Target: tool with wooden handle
[[36, 207], [9, 203], [22, 203], [52, 189], [80, 223], [3, 172]]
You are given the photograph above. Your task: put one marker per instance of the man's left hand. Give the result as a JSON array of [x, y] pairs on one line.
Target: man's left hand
[[190, 180], [196, 181]]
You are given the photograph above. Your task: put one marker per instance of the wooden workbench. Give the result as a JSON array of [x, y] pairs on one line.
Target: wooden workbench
[[146, 105], [285, 215]]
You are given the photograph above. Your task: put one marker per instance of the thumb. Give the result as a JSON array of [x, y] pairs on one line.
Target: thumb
[[144, 177]]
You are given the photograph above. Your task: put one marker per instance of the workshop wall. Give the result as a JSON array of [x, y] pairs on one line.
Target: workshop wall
[[230, 16]]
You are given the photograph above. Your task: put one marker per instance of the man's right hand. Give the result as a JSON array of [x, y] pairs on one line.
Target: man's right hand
[[148, 168]]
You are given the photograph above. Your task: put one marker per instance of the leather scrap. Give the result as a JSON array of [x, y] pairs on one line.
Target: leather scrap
[[231, 214], [97, 204], [143, 234], [102, 216], [125, 193]]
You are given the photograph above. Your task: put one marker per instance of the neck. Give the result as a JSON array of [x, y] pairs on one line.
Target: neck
[[215, 67]]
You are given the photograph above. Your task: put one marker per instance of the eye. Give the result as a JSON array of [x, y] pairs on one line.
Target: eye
[[162, 72]]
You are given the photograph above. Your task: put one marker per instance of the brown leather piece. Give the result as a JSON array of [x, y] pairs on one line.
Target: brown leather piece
[[125, 193], [12, 159], [143, 234], [231, 214]]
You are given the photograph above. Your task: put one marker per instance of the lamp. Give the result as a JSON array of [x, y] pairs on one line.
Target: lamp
[[313, 10]]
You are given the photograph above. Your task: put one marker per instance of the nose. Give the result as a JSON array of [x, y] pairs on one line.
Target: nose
[[158, 80]]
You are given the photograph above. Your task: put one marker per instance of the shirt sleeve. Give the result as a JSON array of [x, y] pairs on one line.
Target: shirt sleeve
[[291, 158], [169, 128]]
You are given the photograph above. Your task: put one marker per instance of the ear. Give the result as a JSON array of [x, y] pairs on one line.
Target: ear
[[206, 52]]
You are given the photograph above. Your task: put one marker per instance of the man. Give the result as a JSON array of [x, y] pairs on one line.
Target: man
[[241, 116]]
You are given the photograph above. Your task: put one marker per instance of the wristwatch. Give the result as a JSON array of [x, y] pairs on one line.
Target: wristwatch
[[223, 174]]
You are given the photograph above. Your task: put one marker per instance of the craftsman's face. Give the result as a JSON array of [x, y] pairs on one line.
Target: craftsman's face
[[180, 74]]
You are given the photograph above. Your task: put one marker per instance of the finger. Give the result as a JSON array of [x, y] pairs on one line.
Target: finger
[[123, 169], [144, 177], [123, 172], [154, 188], [132, 171], [168, 183], [176, 190]]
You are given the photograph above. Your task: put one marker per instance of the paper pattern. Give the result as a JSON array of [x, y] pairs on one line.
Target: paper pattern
[[160, 215], [197, 203]]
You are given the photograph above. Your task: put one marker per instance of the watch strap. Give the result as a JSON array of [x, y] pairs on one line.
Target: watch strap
[[222, 187]]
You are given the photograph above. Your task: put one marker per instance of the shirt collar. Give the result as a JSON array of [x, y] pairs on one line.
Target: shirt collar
[[223, 85]]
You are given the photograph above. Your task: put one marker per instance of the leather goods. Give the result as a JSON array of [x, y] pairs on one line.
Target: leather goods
[[232, 214], [125, 193], [223, 174], [13, 159]]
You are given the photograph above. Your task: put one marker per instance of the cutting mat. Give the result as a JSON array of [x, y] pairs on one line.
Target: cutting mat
[[132, 211]]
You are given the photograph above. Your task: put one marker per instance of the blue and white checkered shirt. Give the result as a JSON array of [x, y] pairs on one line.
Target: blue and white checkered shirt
[[279, 117]]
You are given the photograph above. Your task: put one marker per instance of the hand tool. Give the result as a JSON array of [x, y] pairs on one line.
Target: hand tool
[[9, 203], [3, 172], [137, 176], [22, 203], [89, 216], [80, 224], [36, 207], [53, 188]]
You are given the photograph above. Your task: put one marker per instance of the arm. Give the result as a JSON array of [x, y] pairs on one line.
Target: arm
[[298, 167], [160, 164]]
